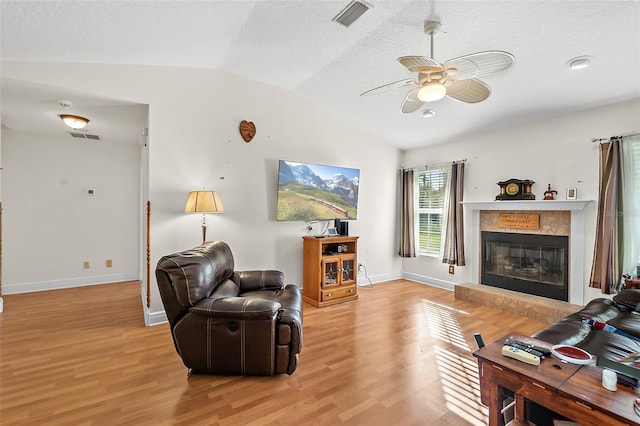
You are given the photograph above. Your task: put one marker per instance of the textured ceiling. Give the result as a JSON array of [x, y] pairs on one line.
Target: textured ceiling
[[295, 45]]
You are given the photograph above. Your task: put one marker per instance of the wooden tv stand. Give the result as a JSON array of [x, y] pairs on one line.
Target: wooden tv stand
[[572, 391], [330, 270]]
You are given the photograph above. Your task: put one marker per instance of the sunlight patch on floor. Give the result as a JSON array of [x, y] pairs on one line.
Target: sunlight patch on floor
[[458, 372], [443, 325]]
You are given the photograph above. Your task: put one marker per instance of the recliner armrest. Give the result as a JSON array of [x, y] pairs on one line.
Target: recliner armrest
[[259, 280], [291, 315], [240, 308]]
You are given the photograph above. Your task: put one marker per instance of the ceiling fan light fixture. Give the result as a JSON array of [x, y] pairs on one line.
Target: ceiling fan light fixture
[[74, 121], [432, 92], [455, 78]]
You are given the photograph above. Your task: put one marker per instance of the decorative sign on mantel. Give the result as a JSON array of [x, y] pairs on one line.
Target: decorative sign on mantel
[[518, 221]]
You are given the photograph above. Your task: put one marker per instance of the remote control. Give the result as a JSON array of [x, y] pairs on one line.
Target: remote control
[[520, 355], [522, 347], [539, 350]]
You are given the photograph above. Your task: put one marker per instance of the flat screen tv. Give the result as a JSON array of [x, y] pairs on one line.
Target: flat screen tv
[[310, 192]]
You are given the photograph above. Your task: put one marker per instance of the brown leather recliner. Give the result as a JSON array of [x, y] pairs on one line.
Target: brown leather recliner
[[228, 322]]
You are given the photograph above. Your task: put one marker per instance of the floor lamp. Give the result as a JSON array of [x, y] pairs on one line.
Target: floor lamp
[[204, 202]]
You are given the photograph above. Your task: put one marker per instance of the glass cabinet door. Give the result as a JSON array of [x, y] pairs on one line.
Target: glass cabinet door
[[348, 268], [330, 272]]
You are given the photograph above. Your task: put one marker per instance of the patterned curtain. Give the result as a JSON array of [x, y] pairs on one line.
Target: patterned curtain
[[407, 236], [606, 270], [454, 237]]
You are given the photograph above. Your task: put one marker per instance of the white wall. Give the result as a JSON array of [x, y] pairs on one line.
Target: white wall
[[51, 225], [557, 152], [194, 141]]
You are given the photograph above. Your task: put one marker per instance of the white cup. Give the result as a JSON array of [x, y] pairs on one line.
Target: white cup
[[609, 380]]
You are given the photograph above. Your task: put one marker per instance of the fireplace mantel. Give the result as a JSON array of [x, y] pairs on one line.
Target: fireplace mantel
[[527, 205], [576, 238]]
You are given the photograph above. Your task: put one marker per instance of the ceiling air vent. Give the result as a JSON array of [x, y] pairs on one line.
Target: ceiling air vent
[[353, 11], [84, 136]]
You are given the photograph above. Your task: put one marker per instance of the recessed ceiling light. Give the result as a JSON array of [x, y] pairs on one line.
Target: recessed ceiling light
[[579, 63], [427, 113]]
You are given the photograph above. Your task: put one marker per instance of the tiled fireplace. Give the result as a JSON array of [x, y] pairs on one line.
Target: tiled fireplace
[[545, 260]]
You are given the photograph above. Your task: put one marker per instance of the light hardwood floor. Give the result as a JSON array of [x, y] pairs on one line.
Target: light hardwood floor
[[400, 355]]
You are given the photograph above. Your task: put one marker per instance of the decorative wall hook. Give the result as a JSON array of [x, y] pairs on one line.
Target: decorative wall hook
[[247, 130]]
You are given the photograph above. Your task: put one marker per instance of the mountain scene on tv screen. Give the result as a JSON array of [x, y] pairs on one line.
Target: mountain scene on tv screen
[[304, 195]]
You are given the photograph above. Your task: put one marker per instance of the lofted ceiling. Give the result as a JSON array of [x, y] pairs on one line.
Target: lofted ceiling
[[296, 46]]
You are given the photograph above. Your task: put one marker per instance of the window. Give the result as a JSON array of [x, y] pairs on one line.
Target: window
[[631, 204], [432, 187]]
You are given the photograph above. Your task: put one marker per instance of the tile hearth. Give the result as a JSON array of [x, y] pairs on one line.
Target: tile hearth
[[534, 307]]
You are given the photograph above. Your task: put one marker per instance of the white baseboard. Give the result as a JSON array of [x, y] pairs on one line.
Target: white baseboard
[[155, 318], [363, 281], [446, 285], [60, 284]]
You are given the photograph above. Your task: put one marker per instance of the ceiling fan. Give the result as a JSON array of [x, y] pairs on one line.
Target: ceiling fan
[[455, 78]]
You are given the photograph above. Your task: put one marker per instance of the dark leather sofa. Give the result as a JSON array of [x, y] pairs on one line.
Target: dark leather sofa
[[229, 322], [620, 313]]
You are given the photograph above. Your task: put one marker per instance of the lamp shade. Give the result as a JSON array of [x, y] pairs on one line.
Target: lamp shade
[[74, 121], [203, 202], [432, 92]]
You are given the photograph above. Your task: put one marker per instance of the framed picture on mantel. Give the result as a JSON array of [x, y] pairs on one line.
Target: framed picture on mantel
[[572, 194]]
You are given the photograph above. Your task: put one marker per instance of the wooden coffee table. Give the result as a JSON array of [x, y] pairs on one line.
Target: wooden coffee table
[[571, 390]]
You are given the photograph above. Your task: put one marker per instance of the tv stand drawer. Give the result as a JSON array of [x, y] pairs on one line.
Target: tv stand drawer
[[339, 293]]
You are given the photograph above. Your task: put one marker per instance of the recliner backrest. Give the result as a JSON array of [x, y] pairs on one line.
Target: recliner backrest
[[195, 273]]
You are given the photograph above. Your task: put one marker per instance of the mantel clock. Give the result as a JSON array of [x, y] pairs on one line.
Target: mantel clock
[[516, 189]]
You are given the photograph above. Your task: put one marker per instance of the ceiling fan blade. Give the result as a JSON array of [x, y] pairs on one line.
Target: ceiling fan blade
[[464, 68], [470, 91], [420, 64], [399, 83], [485, 63], [411, 102]]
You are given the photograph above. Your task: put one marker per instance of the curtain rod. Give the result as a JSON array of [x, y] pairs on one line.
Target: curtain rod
[[433, 165], [600, 140]]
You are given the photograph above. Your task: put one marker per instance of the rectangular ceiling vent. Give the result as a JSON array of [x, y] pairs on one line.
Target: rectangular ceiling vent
[[353, 11], [84, 136]]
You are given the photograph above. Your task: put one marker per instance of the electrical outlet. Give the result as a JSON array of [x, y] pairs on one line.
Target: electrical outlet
[[85, 264], [109, 263], [359, 267], [451, 269]]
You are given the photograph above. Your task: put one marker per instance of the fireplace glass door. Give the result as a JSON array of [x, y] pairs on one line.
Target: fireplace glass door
[[529, 263]]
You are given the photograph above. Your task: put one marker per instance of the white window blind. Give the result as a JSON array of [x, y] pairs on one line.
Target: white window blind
[[431, 189]]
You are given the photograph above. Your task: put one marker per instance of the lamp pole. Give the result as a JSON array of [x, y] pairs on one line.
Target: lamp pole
[[204, 227]]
